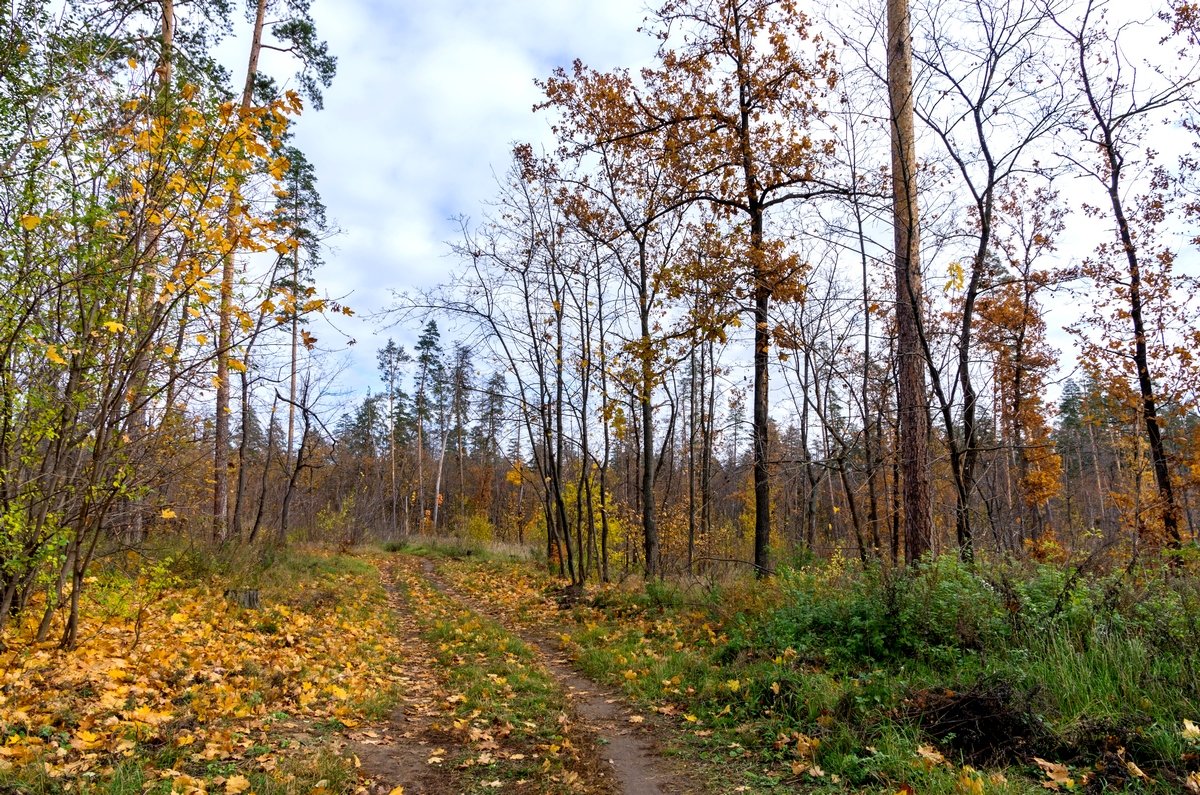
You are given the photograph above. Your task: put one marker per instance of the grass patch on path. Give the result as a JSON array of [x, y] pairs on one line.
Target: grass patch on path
[[509, 725]]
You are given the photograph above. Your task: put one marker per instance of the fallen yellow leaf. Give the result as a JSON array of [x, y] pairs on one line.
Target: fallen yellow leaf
[[931, 756], [1057, 774]]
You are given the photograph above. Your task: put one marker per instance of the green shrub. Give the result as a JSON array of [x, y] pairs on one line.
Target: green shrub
[[937, 611]]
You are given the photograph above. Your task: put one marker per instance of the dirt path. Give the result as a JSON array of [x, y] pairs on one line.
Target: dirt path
[[398, 754], [619, 745], [623, 739]]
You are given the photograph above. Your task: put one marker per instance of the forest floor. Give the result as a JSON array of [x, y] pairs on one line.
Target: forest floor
[[499, 706], [441, 670], [371, 674], [828, 681]]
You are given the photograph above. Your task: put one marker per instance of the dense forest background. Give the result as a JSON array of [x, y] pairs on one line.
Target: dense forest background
[[724, 319]]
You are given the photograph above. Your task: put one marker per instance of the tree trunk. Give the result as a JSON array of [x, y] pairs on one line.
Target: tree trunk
[[1141, 359], [266, 474], [220, 526], [910, 395], [649, 526], [762, 482]]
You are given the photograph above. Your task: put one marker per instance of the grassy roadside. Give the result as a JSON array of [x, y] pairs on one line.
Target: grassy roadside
[[508, 724], [173, 688], [833, 679]]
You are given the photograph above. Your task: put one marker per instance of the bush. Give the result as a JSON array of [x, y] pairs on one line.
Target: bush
[[941, 609], [476, 527]]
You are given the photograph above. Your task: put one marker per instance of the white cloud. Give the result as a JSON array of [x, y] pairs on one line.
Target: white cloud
[[428, 100]]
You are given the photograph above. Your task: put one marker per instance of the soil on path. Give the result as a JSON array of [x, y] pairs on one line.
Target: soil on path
[[624, 740], [398, 754]]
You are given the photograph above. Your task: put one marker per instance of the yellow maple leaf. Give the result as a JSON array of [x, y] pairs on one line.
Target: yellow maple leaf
[[53, 355], [279, 167], [1057, 774], [237, 365], [957, 277], [113, 326], [85, 740], [1190, 730], [147, 716], [30, 222], [236, 784], [806, 747], [1134, 770], [969, 782], [734, 685], [931, 756], [168, 513]]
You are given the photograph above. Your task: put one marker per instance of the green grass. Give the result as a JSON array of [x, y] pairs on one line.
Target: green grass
[[130, 777], [880, 667]]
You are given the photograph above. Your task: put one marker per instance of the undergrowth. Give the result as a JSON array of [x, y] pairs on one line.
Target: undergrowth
[[459, 548], [834, 677]]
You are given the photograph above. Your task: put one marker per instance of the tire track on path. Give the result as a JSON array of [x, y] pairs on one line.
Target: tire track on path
[[397, 755], [627, 748]]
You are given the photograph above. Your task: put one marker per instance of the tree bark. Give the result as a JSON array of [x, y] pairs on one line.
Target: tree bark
[[220, 526], [911, 398], [649, 525]]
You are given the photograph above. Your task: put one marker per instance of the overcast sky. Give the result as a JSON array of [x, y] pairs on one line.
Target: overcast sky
[[428, 99]]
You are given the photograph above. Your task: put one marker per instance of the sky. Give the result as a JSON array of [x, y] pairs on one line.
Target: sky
[[427, 103], [419, 122]]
